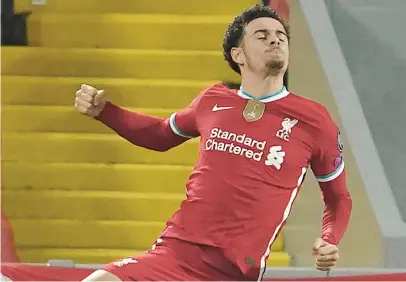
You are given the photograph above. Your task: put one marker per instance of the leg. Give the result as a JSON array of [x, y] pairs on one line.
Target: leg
[[101, 275], [171, 260], [162, 263]]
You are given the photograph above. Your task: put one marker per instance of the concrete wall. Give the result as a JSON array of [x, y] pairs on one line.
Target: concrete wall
[[307, 78], [356, 122], [372, 36]]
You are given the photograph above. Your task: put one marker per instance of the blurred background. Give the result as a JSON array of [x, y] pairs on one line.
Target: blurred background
[[72, 189]]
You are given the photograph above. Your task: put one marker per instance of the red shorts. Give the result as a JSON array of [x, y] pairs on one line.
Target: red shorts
[[174, 259]]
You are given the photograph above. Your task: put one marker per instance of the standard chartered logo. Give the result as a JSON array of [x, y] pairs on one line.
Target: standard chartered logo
[[235, 148], [244, 146]]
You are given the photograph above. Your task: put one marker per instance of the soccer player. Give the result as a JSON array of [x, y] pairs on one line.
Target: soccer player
[[257, 144]]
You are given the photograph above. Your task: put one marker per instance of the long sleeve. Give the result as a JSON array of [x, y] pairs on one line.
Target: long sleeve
[[150, 132], [337, 211], [328, 166]]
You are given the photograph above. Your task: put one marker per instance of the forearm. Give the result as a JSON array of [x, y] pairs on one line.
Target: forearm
[[142, 130], [337, 212]]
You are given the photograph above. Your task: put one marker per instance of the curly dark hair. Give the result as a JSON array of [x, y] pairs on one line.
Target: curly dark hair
[[235, 31]]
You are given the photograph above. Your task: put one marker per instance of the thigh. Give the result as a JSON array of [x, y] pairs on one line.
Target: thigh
[[159, 264], [101, 275], [176, 260]]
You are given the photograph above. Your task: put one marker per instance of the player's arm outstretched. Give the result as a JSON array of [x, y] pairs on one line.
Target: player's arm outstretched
[[154, 133], [328, 166]]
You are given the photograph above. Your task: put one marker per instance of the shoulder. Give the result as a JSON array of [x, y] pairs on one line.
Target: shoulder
[[325, 131], [216, 90], [315, 112], [317, 109]]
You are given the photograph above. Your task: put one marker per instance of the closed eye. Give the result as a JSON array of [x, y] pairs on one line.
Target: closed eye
[[281, 35]]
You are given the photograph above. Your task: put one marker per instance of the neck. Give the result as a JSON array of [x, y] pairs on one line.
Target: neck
[[258, 86]]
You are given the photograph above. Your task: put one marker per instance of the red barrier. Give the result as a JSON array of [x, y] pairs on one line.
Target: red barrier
[[19, 272], [8, 251], [376, 277]]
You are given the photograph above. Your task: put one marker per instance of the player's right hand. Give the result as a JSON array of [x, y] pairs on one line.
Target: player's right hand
[[90, 101]]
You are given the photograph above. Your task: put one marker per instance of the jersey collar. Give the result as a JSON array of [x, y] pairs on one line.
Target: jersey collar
[[268, 98]]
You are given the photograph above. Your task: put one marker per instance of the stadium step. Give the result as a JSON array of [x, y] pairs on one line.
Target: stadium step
[[115, 63], [102, 256], [207, 7], [90, 205], [94, 234], [89, 148], [62, 188], [59, 119], [128, 31], [94, 177], [60, 91], [91, 234]]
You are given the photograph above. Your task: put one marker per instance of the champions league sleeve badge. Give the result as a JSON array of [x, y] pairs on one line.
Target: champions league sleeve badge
[[253, 110]]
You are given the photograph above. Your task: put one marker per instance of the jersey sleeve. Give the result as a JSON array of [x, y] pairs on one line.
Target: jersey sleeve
[[327, 162], [184, 122], [150, 132], [328, 166]]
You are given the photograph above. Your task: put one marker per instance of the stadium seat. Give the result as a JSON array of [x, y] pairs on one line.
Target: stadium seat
[[90, 196]]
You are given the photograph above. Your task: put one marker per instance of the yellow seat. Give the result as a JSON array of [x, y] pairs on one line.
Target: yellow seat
[[89, 195]]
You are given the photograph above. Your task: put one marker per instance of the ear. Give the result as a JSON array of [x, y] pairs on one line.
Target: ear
[[237, 54]]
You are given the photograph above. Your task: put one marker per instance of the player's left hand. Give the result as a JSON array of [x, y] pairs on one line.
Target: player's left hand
[[326, 254]]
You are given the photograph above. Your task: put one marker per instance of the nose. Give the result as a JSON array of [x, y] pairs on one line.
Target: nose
[[274, 40]]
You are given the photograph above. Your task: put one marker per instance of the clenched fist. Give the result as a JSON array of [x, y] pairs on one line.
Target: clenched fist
[[326, 255], [90, 101]]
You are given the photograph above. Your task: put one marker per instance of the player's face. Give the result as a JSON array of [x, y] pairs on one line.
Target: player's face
[[265, 46]]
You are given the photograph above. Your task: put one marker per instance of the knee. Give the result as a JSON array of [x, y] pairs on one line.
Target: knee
[[101, 275]]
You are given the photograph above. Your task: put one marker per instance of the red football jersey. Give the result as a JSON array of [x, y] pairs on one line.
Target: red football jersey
[[250, 168], [253, 158]]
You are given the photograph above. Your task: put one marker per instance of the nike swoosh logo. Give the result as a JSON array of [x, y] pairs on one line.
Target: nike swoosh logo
[[217, 108]]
